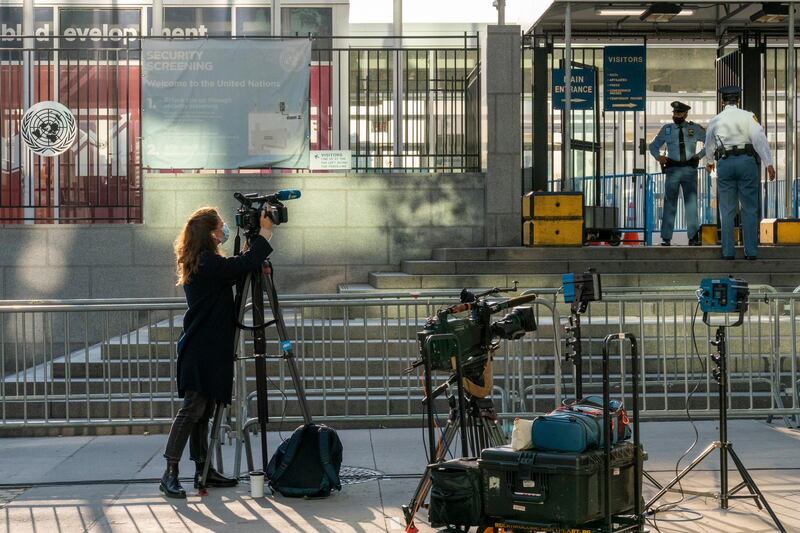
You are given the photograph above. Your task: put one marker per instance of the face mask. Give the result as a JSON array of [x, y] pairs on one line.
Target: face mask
[[226, 232], [678, 120]]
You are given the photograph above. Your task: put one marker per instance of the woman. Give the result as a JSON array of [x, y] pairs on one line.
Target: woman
[[206, 345]]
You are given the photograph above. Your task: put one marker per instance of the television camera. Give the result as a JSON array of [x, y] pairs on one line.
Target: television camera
[[474, 336], [248, 214]]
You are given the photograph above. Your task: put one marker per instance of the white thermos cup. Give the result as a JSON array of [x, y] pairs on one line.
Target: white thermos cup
[[257, 484]]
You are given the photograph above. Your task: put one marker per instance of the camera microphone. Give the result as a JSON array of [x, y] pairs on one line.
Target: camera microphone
[[287, 194]]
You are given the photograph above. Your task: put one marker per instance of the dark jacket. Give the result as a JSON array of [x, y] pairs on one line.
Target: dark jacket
[[205, 347]]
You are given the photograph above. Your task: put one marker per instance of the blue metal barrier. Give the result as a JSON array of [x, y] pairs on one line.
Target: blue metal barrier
[[639, 199]]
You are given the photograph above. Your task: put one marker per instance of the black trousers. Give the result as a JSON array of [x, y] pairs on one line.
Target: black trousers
[[191, 423]]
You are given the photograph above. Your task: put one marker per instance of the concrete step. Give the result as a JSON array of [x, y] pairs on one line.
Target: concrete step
[[343, 403], [405, 281], [604, 266], [605, 253]]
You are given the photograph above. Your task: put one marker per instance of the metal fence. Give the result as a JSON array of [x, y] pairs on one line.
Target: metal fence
[[412, 106], [637, 200], [113, 362], [99, 178]]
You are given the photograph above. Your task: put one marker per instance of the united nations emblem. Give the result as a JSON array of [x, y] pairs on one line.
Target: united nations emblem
[[48, 128]]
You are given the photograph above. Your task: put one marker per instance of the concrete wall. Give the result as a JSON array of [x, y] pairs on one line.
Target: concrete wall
[[343, 227]]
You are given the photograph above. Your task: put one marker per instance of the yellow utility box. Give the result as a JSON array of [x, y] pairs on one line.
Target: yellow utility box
[[552, 205], [552, 219], [781, 231], [710, 235], [557, 232]]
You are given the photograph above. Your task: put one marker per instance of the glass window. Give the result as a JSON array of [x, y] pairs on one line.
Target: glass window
[[197, 21], [253, 21], [11, 26], [316, 21], [98, 28]]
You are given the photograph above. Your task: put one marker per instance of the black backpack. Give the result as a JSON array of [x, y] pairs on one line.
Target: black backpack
[[307, 463]]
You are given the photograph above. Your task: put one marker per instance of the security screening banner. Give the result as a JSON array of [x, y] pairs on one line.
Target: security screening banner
[[224, 104]]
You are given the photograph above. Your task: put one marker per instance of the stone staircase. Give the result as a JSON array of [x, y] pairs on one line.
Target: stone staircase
[[623, 266]]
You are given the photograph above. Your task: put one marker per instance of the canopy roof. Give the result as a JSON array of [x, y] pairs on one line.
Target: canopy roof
[[698, 20]]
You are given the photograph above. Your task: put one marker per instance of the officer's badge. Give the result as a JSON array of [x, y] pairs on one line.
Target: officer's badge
[[691, 132]]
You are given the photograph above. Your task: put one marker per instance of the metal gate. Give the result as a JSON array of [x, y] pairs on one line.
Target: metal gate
[[606, 147], [99, 178]]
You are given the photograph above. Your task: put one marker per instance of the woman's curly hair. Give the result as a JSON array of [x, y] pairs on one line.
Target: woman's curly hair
[[194, 239]]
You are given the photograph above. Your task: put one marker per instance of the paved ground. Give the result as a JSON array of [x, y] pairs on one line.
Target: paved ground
[[99, 484]]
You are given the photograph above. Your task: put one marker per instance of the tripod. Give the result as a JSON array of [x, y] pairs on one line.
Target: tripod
[[724, 446], [256, 281], [479, 429]]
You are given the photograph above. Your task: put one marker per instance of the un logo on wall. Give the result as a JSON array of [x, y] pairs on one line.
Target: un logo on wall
[[48, 128]]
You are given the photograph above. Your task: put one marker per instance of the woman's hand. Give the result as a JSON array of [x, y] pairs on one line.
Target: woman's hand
[[266, 225]]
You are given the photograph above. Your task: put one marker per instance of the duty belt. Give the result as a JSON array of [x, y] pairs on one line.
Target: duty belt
[[747, 150], [692, 162]]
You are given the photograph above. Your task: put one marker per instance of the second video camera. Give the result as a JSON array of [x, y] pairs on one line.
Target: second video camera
[[248, 215]]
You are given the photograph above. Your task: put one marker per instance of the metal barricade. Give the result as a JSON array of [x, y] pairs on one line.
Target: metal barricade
[[90, 363]]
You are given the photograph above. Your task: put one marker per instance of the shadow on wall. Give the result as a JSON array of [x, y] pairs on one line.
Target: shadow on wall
[[434, 212]]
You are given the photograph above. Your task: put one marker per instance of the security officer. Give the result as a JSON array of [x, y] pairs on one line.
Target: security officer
[[680, 164], [736, 141]]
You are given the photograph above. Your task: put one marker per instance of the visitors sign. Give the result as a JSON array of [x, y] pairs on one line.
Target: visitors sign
[[624, 79], [583, 88]]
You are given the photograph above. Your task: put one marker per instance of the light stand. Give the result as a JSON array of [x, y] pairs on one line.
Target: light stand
[[724, 446]]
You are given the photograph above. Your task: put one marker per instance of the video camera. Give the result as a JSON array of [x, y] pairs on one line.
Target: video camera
[[580, 289], [723, 295], [248, 215], [476, 333]]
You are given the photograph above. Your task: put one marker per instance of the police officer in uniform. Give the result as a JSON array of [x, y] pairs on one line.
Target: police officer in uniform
[[680, 164], [737, 143]]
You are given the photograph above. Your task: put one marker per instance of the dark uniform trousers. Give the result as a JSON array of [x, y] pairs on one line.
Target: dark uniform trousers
[[191, 423]]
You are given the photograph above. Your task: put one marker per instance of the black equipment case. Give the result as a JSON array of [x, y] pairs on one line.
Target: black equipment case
[[563, 489], [455, 493]]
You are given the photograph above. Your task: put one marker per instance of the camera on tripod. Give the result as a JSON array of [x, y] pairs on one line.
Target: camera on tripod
[[476, 334], [723, 295], [248, 215]]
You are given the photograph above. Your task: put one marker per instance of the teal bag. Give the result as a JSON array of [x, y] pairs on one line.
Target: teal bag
[[566, 431]]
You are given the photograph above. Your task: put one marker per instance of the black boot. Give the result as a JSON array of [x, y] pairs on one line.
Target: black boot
[[214, 478], [170, 485]]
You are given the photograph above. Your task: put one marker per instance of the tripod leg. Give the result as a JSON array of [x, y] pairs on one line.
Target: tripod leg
[[496, 435], [213, 444], [263, 413], [218, 447], [421, 492], [280, 325], [705, 453], [751, 485]]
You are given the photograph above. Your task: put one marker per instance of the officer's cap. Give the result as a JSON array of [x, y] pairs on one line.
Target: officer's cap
[[679, 107], [730, 91]]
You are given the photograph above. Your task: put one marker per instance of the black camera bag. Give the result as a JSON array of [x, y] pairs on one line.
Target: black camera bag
[[307, 463], [456, 495]]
